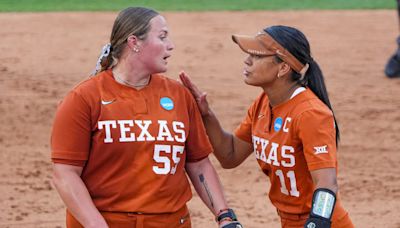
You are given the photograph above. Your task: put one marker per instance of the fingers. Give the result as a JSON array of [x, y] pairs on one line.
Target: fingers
[[185, 80], [199, 96], [182, 78], [188, 84], [203, 97]]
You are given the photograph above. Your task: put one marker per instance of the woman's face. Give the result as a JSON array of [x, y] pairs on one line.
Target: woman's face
[[260, 70], [157, 47]]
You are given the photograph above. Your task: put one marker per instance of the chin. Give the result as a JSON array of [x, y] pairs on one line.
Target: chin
[[159, 70], [249, 82], [163, 70]]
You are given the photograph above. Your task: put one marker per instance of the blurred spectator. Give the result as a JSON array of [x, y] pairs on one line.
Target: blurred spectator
[[392, 69]]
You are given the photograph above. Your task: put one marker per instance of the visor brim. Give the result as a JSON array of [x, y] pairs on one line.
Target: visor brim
[[251, 45]]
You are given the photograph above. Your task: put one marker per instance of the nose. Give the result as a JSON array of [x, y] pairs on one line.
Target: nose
[[170, 46], [247, 60]]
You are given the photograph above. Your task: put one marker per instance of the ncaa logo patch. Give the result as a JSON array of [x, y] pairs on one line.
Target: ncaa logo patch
[[166, 103], [278, 124]]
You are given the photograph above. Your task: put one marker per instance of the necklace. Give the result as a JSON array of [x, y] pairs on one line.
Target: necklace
[[122, 81]]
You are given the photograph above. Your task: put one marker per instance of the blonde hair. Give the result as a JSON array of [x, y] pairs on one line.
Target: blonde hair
[[130, 21]]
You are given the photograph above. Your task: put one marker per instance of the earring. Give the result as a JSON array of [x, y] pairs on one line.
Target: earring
[[136, 49], [279, 76]]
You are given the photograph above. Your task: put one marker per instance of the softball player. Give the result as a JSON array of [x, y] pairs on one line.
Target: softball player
[[290, 128], [123, 139]]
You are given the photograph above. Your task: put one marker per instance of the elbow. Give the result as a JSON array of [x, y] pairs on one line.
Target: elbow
[[56, 179], [228, 161], [59, 177], [228, 165]]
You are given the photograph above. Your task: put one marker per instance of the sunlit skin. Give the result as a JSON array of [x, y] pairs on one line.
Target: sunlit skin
[[156, 47], [263, 71], [150, 57], [260, 70]]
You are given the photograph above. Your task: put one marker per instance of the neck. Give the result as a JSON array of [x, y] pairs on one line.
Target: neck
[[278, 95], [130, 77]]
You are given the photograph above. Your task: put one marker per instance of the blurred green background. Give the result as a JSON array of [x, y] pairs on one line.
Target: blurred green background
[[189, 5]]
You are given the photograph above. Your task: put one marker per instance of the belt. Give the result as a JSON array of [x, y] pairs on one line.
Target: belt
[[291, 216]]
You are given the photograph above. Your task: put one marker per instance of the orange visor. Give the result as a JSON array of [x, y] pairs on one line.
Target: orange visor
[[264, 45]]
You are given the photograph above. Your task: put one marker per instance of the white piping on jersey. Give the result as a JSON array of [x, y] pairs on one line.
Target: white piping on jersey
[[297, 91]]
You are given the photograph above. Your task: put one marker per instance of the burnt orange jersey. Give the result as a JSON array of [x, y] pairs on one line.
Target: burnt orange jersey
[[132, 144], [289, 141]]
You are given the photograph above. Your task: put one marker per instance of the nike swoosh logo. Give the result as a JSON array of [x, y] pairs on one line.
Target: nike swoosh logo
[[183, 219], [103, 102]]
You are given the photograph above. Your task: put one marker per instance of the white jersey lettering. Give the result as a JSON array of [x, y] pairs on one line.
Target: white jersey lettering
[[129, 131], [285, 125], [162, 160], [264, 144], [286, 159], [107, 124], [144, 130], [179, 131], [256, 141], [273, 154], [124, 130], [321, 149], [291, 158], [163, 131]]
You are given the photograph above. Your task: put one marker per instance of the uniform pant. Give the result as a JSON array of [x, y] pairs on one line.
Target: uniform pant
[[298, 221], [179, 219]]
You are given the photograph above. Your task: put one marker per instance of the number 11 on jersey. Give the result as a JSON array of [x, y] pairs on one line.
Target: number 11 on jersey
[[292, 180]]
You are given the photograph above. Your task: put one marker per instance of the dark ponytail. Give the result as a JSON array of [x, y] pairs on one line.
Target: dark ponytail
[[314, 80], [296, 43]]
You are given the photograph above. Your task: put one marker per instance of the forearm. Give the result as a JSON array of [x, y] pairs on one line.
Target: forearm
[[325, 178], [324, 198], [221, 140], [329, 184], [206, 183], [76, 197]]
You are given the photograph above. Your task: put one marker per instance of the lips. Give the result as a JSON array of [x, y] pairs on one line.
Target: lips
[[166, 57], [246, 73]]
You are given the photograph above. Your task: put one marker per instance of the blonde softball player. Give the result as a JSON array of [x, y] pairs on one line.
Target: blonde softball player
[[123, 140]]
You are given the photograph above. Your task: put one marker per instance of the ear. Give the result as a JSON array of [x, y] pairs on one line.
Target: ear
[[284, 69], [132, 41]]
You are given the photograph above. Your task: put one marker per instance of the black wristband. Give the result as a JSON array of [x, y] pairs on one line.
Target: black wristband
[[228, 214], [323, 203]]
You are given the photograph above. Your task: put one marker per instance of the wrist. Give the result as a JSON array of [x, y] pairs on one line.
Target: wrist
[[323, 203], [224, 222], [225, 215], [223, 210]]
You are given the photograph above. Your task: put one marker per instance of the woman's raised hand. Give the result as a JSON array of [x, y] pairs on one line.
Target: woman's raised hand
[[201, 97]]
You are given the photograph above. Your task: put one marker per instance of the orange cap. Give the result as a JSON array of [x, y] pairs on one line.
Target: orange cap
[[264, 45]]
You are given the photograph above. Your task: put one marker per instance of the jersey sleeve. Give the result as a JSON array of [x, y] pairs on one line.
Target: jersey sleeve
[[71, 133], [316, 130], [198, 145]]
